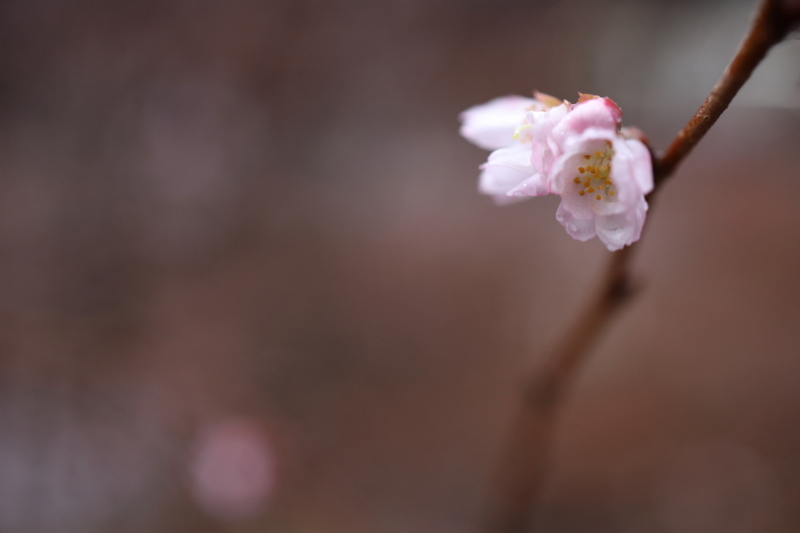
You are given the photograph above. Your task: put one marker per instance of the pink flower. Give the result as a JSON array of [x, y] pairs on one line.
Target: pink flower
[[518, 129], [602, 177], [545, 146]]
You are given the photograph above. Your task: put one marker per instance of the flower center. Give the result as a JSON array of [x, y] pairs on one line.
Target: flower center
[[594, 176]]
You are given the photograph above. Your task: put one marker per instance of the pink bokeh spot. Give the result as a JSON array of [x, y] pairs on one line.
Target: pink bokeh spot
[[232, 473]]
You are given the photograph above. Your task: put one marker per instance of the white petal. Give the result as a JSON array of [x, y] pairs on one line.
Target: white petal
[[580, 229], [590, 137], [564, 170], [621, 230], [498, 179], [505, 169], [492, 125], [632, 172], [533, 186], [517, 156], [641, 165], [576, 204], [607, 205]]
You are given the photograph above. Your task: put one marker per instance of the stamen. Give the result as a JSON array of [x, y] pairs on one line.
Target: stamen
[[582, 193], [587, 156], [611, 193], [577, 180], [598, 154], [518, 132], [581, 170], [598, 197], [590, 189]]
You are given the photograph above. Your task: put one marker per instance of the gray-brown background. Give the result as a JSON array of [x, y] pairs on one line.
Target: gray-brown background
[[262, 210]]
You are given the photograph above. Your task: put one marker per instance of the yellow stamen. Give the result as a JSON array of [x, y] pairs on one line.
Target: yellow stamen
[[598, 154], [590, 189], [582, 193], [611, 193], [519, 130], [581, 170], [598, 197], [587, 156], [577, 180]]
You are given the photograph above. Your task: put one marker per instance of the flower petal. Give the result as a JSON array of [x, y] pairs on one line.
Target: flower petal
[[564, 170], [606, 205], [578, 228], [506, 169], [499, 179], [641, 165], [533, 186], [617, 231], [492, 125], [600, 113], [545, 151]]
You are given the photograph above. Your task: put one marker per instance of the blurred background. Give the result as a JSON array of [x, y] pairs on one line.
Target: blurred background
[[247, 283]]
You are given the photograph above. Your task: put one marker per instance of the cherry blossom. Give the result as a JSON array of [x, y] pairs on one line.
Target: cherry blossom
[[577, 151], [518, 129], [601, 176]]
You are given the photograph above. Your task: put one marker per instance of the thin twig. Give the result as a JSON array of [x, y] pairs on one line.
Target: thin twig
[[524, 464], [527, 456], [773, 20]]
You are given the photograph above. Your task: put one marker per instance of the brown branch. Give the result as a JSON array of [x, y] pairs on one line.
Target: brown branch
[[774, 19], [527, 455], [525, 461]]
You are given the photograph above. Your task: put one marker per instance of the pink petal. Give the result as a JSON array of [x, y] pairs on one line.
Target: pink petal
[[545, 151], [599, 113]]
